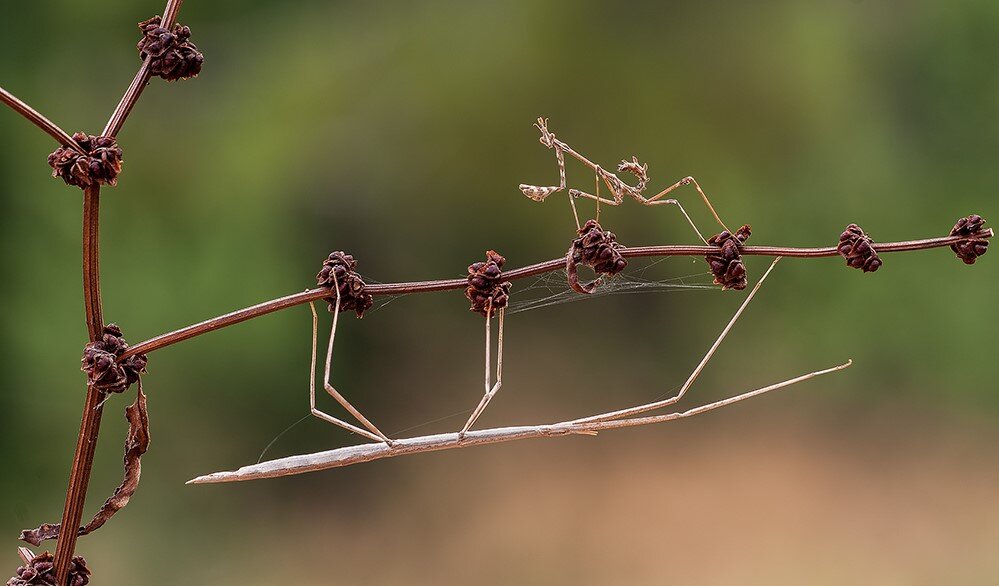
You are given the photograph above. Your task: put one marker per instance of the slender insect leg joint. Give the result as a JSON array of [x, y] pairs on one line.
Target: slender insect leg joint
[[491, 389], [312, 387], [693, 375], [372, 429]]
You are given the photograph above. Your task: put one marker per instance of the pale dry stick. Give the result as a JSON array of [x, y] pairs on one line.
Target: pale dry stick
[[619, 189], [358, 454], [696, 372], [312, 387], [491, 389]]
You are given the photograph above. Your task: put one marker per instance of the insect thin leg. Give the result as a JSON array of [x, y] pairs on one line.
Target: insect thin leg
[[312, 387], [490, 390]]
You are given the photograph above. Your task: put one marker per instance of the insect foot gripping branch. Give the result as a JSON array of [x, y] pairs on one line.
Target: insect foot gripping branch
[[99, 166], [596, 248], [172, 54], [339, 271], [487, 291]]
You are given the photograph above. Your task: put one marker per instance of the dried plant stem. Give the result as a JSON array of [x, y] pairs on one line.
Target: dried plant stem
[[431, 443], [86, 445], [273, 305], [38, 120], [141, 79]]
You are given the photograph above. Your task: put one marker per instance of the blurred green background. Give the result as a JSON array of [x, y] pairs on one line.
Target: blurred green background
[[399, 131]]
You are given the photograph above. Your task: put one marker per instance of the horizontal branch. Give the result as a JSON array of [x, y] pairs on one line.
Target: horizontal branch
[[36, 118], [350, 455], [241, 315]]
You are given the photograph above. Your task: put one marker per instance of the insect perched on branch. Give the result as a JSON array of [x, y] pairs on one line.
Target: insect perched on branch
[[489, 289]]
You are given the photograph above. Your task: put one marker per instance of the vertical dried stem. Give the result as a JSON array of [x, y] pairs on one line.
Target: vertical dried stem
[[86, 445]]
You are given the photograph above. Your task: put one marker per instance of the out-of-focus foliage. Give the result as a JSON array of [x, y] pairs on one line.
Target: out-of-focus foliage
[[398, 131]]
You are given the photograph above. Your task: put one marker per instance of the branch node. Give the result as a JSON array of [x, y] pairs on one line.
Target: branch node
[[171, 53]]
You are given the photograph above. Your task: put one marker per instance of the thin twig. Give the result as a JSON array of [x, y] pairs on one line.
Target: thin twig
[[446, 441], [36, 118], [241, 315], [141, 79]]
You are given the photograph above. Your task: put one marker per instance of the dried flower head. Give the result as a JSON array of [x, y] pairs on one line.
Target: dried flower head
[[726, 264], [338, 270], [640, 171], [101, 165], [858, 250], [596, 248], [100, 362], [487, 291], [40, 571], [975, 246], [172, 54]]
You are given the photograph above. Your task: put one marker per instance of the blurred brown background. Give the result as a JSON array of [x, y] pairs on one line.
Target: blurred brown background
[[399, 132]]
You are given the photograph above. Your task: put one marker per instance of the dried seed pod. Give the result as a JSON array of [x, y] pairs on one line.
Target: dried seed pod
[[487, 291], [101, 165], [975, 246], [172, 54], [726, 264], [100, 362], [338, 270], [40, 571], [596, 248], [858, 250]]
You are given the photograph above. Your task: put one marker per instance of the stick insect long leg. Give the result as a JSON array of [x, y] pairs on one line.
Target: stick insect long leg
[[491, 389], [613, 415], [373, 431], [312, 387]]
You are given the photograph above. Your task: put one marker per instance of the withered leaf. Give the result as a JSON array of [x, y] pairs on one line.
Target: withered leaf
[[136, 444]]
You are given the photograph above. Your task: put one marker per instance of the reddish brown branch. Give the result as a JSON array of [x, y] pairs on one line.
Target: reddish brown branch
[[83, 459], [273, 305], [86, 445], [40, 121], [141, 79]]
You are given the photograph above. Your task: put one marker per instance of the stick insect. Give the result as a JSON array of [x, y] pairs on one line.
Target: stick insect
[[618, 188]]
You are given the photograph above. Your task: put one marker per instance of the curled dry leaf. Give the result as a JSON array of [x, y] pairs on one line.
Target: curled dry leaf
[[136, 444]]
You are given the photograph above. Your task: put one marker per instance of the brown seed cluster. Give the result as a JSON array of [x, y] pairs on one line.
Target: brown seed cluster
[[173, 55], [726, 264], [975, 246], [338, 271], [100, 362], [858, 250], [41, 572], [487, 291], [101, 165], [596, 248]]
